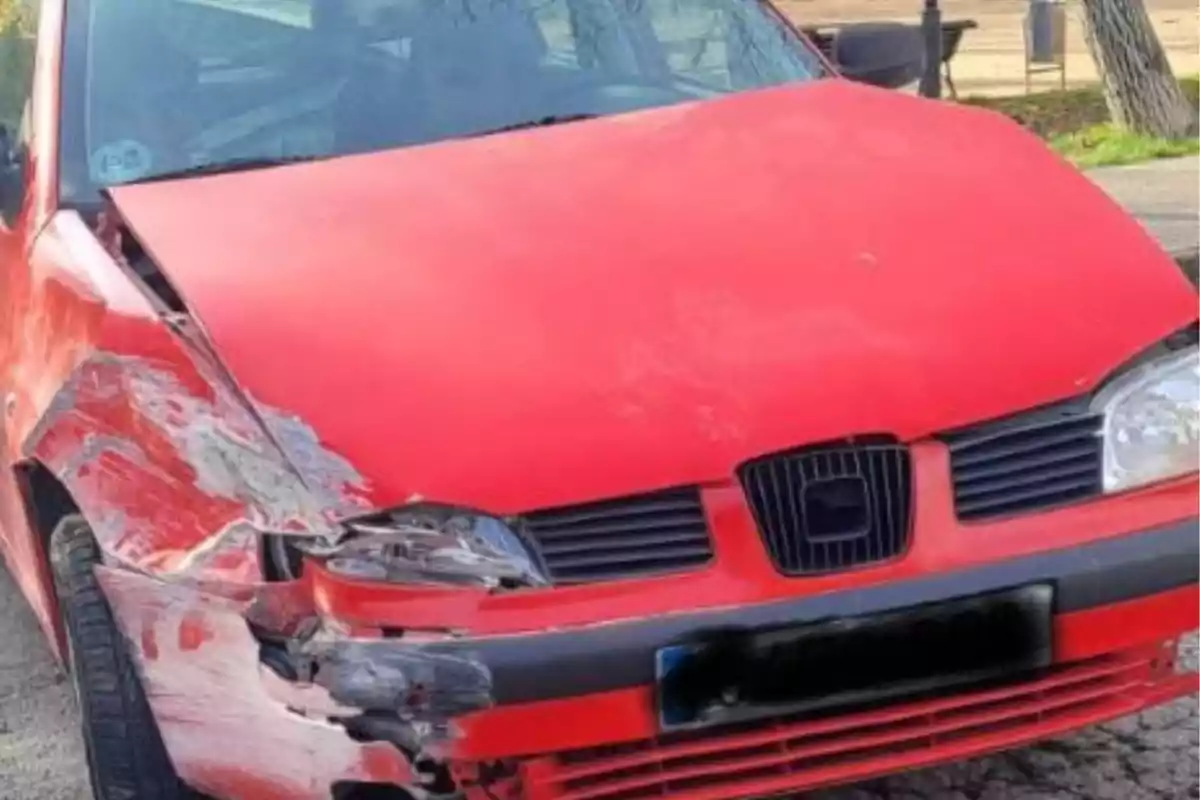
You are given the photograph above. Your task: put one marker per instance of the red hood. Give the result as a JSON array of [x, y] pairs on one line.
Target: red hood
[[612, 306]]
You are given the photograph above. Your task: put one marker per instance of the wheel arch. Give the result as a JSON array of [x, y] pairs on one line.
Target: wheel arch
[[47, 503]]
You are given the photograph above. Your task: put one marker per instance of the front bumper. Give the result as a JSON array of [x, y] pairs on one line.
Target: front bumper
[[570, 714], [790, 755], [604, 658]]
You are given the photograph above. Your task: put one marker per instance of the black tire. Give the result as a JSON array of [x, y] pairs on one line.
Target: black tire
[[125, 752]]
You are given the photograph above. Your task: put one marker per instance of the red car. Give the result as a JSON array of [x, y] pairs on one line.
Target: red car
[[569, 400]]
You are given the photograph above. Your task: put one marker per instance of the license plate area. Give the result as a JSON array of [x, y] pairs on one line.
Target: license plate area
[[736, 675]]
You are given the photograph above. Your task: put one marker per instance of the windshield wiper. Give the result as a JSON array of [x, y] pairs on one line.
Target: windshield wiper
[[540, 122], [223, 167]]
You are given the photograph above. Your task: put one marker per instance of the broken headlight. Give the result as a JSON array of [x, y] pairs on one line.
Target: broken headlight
[[1152, 422], [433, 545]]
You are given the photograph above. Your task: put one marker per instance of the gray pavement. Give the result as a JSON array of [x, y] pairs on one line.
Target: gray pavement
[[41, 755], [1164, 195], [1149, 757]]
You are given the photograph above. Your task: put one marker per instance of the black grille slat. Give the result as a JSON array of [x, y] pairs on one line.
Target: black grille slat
[[635, 508], [618, 572], [618, 526], [1032, 495], [625, 538], [1036, 424], [656, 554], [775, 487], [1038, 460], [791, 470], [551, 548], [1016, 482], [777, 496], [1007, 447], [1062, 456], [880, 508], [894, 501]]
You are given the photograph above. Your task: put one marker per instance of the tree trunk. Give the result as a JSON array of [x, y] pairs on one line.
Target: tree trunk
[[1139, 86]]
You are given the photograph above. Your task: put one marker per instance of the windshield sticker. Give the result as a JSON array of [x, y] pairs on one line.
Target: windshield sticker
[[119, 162]]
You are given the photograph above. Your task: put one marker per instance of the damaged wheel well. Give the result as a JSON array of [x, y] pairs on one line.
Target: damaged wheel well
[[47, 503], [47, 500]]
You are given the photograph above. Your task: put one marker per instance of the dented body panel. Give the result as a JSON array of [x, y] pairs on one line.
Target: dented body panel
[[224, 727], [404, 331]]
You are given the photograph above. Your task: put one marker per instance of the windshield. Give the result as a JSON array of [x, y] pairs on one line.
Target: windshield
[[157, 86]]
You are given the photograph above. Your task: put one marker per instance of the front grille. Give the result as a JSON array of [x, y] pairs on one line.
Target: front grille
[[802, 534], [788, 754], [629, 537], [1033, 461]]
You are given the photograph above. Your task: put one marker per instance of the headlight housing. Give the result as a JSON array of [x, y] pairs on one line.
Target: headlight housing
[[433, 545], [1151, 422]]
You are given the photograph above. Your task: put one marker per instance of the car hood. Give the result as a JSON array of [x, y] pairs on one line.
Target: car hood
[[569, 313]]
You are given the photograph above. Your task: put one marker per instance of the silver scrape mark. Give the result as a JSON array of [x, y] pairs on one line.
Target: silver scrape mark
[[235, 536], [232, 458], [326, 474], [124, 403]]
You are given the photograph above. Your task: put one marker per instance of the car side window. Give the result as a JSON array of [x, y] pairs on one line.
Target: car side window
[[18, 24]]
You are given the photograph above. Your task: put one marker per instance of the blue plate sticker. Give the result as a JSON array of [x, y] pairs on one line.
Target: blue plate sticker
[[666, 661], [120, 162]]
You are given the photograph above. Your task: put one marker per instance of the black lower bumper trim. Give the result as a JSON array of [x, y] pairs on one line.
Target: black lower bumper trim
[[604, 658]]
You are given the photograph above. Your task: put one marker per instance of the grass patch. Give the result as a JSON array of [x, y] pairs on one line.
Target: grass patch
[[15, 53], [1107, 145], [1076, 123]]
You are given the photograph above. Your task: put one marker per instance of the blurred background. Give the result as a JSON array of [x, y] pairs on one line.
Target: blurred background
[[991, 59]]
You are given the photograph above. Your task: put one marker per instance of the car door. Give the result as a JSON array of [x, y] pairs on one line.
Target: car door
[[17, 56]]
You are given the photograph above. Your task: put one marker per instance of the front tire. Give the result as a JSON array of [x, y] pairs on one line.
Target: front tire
[[125, 752]]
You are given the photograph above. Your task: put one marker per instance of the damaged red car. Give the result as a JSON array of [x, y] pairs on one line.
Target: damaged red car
[[569, 400]]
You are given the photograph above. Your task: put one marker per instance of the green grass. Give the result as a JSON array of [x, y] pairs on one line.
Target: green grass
[[1076, 123], [14, 51], [1106, 145]]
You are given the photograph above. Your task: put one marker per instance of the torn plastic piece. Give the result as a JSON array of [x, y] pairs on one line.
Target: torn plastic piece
[[282, 609], [491, 780], [416, 684], [219, 710]]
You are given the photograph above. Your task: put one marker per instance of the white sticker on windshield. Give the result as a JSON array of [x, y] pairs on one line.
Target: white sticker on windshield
[[118, 162]]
